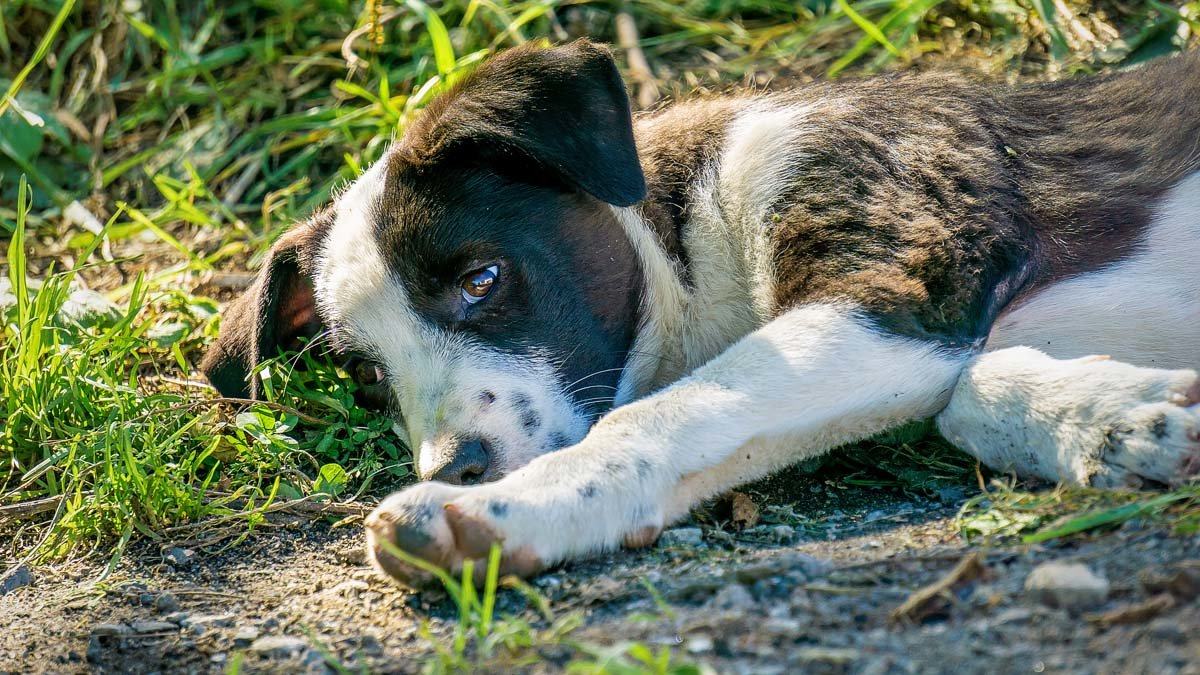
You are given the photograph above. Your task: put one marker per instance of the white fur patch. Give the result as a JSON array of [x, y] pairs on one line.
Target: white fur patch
[[439, 378], [730, 260], [1143, 310]]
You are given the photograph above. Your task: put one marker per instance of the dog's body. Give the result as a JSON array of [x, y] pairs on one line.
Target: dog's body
[[794, 272]]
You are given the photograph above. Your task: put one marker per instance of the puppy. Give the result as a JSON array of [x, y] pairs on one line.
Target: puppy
[[586, 324]]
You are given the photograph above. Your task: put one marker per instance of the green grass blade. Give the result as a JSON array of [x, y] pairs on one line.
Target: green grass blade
[[42, 49], [1112, 516], [443, 48], [868, 27]]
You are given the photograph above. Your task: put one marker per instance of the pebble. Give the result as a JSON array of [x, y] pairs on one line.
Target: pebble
[[199, 623], [1167, 629], [682, 536], [1066, 585], [153, 626], [826, 655], [16, 578], [783, 534], [699, 644], [245, 636], [278, 646], [1012, 615], [796, 564], [732, 598], [166, 603], [110, 630], [179, 557]]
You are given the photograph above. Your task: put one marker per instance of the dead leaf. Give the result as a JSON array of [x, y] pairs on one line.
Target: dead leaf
[[745, 511], [936, 596]]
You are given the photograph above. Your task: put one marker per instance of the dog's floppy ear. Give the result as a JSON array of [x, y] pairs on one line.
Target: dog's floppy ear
[[565, 109], [274, 313]]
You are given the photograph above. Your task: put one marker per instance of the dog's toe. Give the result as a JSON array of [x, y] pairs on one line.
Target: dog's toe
[[437, 526]]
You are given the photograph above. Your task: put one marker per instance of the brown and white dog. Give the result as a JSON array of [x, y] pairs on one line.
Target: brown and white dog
[[587, 323]]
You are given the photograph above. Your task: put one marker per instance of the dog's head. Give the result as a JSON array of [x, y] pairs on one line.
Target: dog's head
[[476, 277]]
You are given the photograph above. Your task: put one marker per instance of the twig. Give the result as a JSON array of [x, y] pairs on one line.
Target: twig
[[923, 601], [639, 67], [30, 508]]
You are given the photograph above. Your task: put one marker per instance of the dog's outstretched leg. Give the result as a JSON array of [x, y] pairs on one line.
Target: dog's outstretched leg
[[1085, 421], [814, 378]]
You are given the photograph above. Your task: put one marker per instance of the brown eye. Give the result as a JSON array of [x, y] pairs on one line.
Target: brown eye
[[478, 285]]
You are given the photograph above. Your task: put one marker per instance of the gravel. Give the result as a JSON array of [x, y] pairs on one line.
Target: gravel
[[1070, 586], [688, 537]]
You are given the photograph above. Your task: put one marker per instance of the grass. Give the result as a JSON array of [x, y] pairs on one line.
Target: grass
[[150, 151]]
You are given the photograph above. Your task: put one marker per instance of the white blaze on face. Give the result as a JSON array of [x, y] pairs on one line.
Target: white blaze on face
[[448, 386]]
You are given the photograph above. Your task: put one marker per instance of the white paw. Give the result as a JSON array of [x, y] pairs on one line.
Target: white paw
[[1136, 424], [1155, 441], [445, 525], [1087, 421]]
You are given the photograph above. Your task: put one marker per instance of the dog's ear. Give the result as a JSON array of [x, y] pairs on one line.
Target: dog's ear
[[274, 313], [563, 109]]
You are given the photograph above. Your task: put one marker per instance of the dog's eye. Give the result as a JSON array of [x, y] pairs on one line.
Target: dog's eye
[[366, 373], [478, 285]]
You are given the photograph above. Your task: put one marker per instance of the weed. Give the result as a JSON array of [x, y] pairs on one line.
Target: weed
[[483, 643]]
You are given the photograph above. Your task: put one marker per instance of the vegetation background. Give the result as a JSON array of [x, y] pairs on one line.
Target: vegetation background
[[151, 150]]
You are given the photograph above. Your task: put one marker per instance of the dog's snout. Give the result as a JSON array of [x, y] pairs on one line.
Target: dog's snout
[[467, 465]]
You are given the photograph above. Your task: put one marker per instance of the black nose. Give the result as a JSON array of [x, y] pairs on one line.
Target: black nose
[[466, 466]]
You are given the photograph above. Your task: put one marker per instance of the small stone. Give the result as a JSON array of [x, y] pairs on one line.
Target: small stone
[[16, 578], [177, 617], [278, 646], [352, 587], [783, 533], [245, 635], [199, 623], [146, 598], [827, 655], [153, 626], [111, 630], [1067, 585], [687, 537], [699, 644], [218, 658], [782, 626], [548, 581], [798, 564], [1012, 615], [732, 598], [1167, 629], [166, 603], [351, 555], [179, 557]]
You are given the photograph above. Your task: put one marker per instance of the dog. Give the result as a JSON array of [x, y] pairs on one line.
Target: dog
[[587, 323]]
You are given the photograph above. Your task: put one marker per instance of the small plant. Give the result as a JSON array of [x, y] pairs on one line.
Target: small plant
[[483, 643]]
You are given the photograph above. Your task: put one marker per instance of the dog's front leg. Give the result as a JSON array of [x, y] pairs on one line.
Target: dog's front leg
[[812, 379]]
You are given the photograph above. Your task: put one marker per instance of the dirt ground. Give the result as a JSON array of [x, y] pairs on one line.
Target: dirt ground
[[297, 597]]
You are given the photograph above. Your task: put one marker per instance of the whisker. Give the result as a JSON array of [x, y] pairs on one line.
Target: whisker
[[590, 375]]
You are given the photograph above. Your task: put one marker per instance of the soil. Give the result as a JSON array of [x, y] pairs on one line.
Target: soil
[[818, 595]]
